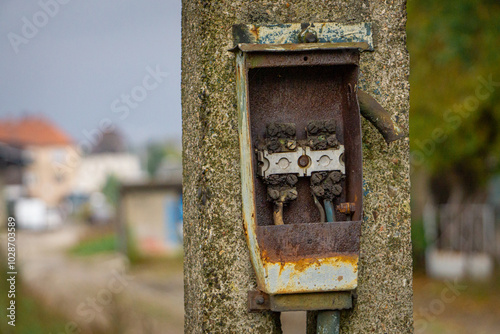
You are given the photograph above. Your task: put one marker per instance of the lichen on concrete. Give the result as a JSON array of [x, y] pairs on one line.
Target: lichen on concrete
[[218, 272]]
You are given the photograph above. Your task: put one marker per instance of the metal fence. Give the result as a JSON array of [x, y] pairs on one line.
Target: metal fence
[[468, 228]]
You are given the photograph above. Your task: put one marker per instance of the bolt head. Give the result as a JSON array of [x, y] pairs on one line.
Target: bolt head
[[312, 128], [292, 179], [330, 126], [273, 193], [273, 145], [337, 189], [291, 145], [304, 161], [332, 141], [310, 37], [272, 130], [335, 176], [291, 195], [260, 300], [316, 178], [289, 129], [318, 191]]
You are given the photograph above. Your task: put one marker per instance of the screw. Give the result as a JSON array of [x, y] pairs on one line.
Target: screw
[[332, 141], [272, 130], [312, 128], [291, 144], [330, 126], [292, 179], [335, 176], [273, 145], [318, 191], [336, 189], [316, 178], [290, 129], [304, 161], [291, 194], [310, 37], [260, 300], [274, 179], [273, 193]]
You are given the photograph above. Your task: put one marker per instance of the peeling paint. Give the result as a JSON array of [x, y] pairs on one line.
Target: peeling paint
[[291, 33]]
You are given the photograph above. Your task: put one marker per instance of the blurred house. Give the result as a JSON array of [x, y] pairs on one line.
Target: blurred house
[[109, 157], [108, 161], [49, 177], [95, 169], [170, 169], [150, 217], [10, 158]]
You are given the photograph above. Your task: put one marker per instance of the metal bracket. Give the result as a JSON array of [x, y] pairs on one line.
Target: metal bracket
[[302, 161], [259, 301]]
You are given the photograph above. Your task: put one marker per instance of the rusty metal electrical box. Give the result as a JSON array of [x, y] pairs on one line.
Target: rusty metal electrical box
[[301, 160]]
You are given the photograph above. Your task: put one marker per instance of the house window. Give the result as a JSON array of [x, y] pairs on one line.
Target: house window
[[58, 155], [28, 155], [59, 177], [29, 178]]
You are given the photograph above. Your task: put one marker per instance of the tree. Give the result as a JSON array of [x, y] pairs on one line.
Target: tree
[[110, 142], [218, 272], [111, 189], [455, 101], [158, 152]]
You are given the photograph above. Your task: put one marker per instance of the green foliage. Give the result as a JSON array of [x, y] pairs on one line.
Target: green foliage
[[157, 152], [95, 245], [111, 189], [418, 244], [31, 316], [454, 116], [133, 253]]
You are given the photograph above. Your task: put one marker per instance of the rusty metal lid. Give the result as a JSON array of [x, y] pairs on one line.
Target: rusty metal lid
[[305, 36]]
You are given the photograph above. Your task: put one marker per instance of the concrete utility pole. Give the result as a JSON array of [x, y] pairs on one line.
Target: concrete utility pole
[[217, 269]]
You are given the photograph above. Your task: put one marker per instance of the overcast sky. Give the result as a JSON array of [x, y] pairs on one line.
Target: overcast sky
[[85, 62]]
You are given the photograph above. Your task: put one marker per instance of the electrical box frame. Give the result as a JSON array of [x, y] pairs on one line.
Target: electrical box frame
[[297, 83]]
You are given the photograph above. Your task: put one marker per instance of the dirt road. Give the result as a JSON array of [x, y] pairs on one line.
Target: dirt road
[[99, 293]]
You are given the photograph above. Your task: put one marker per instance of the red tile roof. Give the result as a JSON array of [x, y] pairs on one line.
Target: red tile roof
[[32, 130]]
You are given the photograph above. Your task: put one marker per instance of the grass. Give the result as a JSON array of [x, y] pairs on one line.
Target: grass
[[32, 317], [99, 240], [95, 244]]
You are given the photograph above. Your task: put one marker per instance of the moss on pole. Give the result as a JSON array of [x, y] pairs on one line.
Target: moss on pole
[[217, 270]]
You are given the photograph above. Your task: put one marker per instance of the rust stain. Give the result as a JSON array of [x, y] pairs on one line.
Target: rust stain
[[302, 265], [340, 278], [282, 267], [292, 243], [245, 228], [255, 32]]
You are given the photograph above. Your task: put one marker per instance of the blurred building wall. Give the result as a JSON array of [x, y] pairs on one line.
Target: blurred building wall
[[148, 215], [94, 170], [3, 204], [51, 155], [44, 178]]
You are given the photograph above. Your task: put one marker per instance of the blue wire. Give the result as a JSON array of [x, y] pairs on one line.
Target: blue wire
[[329, 211]]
